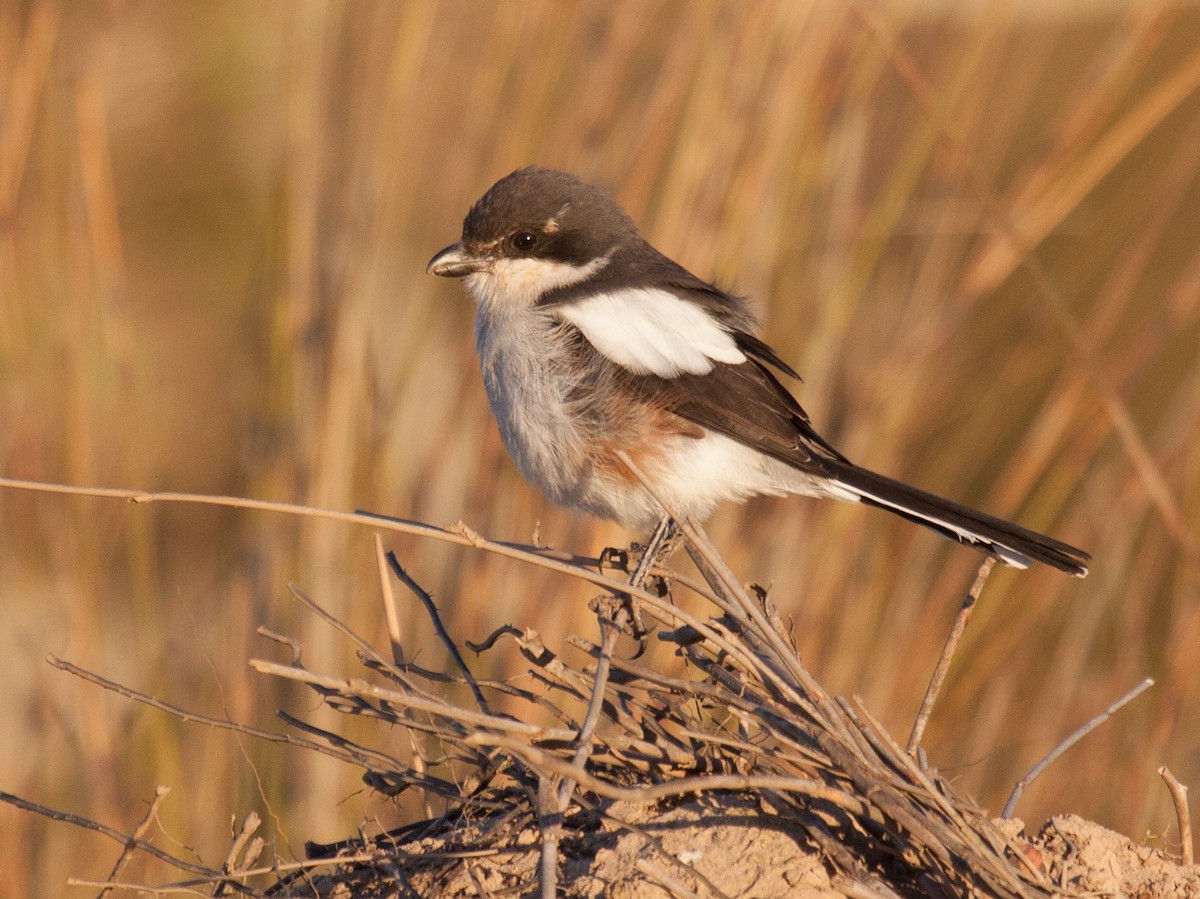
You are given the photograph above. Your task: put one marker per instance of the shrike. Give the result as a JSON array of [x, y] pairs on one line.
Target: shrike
[[592, 342]]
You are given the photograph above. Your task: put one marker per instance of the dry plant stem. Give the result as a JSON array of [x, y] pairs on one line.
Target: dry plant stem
[[552, 808], [389, 603], [574, 566], [673, 885], [113, 834], [435, 617], [173, 710], [356, 687], [610, 630], [1070, 741], [550, 821], [249, 825], [160, 794], [577, 566], [1179, 797], [943, 665], [648, 794], [140, 889], [258, 733]]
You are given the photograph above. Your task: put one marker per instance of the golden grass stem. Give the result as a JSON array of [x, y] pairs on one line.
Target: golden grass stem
[[389, 603]]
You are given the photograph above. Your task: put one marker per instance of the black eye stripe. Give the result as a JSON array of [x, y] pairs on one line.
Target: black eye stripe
[[524, 240]]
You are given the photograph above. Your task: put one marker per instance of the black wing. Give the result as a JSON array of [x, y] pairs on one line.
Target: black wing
[[745, 402]]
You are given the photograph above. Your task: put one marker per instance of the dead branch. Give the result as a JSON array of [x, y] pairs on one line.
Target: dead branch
[[943, 665], [136, 837], [112, 833], [1179, 797], [440, 629], [1070, 741]]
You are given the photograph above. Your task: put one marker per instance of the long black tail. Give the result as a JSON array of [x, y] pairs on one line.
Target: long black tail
[[1010, 542]]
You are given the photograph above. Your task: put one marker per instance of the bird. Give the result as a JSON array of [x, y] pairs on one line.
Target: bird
[[594, 348]]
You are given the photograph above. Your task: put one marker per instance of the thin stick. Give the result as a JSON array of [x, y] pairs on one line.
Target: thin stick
[[658, 875], [112, 834], [460, 536], [221, 723], [610, 630], [389, 604], [550, 820], [1179, 797], [723, 581], [552, 805], [352, 687], [143, 889], [943, 665], [650, 793], [249, 825], [434, 616], [160, 793], [175, 711], [1071, 741]]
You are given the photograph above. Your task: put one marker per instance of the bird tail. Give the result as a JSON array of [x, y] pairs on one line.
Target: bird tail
[[1011, 543]]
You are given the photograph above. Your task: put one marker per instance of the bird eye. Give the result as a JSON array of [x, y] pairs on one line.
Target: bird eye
[[524, 241]]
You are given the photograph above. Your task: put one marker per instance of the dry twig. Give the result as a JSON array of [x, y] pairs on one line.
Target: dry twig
[[1070, 741], [113, 834], [943, 664], [1179, 797], [752, 720], [136, 837]]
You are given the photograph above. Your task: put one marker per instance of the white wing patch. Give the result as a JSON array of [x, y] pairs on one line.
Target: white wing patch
[[653, 332]]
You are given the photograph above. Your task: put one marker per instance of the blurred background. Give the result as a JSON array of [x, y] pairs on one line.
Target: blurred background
[[971, 227]]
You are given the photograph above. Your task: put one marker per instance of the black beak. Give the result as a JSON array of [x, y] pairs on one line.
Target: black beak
[[455, 262]]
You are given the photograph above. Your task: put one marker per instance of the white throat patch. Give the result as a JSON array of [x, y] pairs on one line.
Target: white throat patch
[[513, 284]]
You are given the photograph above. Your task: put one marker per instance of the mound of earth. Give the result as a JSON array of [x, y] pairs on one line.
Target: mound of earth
[[715, 845]]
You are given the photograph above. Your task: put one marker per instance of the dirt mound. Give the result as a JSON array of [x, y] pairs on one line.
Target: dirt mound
[[715, 845]]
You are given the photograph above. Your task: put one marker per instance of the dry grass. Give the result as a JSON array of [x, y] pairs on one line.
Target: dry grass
[[975, 237]]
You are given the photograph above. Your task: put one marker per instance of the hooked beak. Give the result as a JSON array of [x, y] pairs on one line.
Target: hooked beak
[[455, 261]]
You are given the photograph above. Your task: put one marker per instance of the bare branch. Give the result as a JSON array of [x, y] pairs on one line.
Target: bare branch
[[110, 832], [1070, 741], [136, 837], [1179, 796], [943, 665], [436, 618]]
